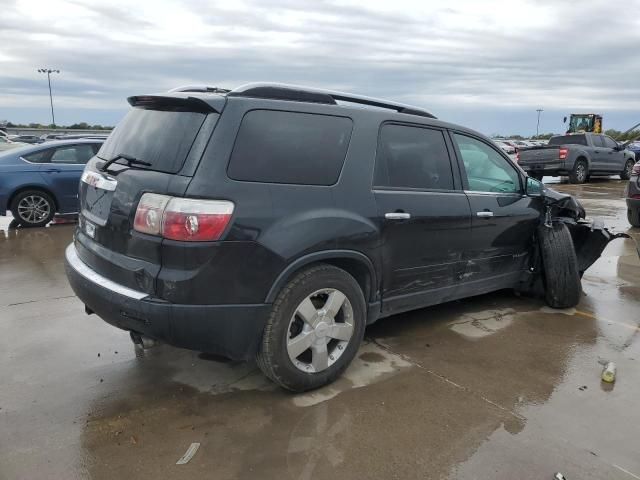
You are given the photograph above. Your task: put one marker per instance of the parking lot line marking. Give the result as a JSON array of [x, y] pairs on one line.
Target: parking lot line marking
[[622, 324], [626, 471]]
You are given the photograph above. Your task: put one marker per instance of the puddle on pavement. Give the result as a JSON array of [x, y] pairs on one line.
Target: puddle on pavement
[[372, 364]]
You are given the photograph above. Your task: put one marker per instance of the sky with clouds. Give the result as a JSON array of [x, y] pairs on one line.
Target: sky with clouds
[[486, 64]]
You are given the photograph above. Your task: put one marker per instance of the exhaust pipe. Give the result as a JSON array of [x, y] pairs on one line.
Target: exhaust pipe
[[142, 340]]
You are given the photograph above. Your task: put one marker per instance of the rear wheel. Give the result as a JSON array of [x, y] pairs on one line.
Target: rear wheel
[[634, 217], [580, 172], [315, 329], [560, 266], [33, 208], [628, 167]]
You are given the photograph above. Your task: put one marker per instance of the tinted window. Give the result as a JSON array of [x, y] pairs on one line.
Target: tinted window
[[286, 147], [41, 156], [609, 142], [412, 157], [79, 154], [486, 169], [160, 137], [568, 140], [598, 141]]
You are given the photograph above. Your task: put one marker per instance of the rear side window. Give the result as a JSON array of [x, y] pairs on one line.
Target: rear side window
[[288, 147], [79, 154], [162, 138], [412, 157], [568, 140], [41, 156]]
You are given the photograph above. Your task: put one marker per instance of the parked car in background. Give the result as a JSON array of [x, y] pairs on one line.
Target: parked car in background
[[36, 182], [635, 148], [579, 156], [275, 222], [7, 144], [632, 194], [508, 149], [32, 139]]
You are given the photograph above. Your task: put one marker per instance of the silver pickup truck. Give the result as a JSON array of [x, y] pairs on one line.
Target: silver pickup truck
[[577, 155]]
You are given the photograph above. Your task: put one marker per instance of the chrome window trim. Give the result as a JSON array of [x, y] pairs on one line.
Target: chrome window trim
[[82, 269]]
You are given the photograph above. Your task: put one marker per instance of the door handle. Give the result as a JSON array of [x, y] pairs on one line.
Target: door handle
[[485, 214], [397, 216], [53, 170]]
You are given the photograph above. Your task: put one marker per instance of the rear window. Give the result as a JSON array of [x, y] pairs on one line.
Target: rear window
[[288, 147], [568, 140], [160, 137]]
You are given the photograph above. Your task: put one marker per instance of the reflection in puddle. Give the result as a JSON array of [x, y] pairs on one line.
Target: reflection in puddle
[[371, 365]]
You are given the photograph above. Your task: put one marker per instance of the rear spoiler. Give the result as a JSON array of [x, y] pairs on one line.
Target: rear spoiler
[[178, 102]]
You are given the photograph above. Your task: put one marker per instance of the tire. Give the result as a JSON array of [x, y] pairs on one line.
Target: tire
[[313, 288], [560, 266], [580, 172], [634, 217], [33, 208], [626, 173]]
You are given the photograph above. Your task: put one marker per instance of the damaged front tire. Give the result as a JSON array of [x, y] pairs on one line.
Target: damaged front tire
[[560, 266]]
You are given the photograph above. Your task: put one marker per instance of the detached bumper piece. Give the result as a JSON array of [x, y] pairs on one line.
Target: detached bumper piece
[[590, 240], [233, 331]]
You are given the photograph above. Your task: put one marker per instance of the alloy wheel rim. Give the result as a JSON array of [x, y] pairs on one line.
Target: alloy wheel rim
[[629, 168], [320, 330], [33, 209], [581, 172]]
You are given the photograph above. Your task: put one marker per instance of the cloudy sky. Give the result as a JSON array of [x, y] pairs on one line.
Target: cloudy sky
[[484, 64]]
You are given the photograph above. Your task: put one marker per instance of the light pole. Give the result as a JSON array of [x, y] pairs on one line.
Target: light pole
[[49, 71], [539, 110]]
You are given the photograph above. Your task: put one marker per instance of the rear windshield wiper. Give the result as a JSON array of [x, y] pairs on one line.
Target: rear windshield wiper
[[130, 161]]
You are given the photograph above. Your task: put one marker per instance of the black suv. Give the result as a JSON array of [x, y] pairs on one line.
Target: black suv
[[277, 222]]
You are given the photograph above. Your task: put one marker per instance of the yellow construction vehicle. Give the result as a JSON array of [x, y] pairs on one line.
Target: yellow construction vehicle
[[584, 122]]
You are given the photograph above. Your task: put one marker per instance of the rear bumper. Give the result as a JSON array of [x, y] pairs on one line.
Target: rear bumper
[[543, 167], [233, 331]]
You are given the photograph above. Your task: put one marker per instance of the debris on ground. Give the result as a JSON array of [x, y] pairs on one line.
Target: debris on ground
[[559, 476], [609, 373], [188, 455]]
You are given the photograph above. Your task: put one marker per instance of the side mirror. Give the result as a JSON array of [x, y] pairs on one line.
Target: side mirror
[[564, 120], [533, 187]]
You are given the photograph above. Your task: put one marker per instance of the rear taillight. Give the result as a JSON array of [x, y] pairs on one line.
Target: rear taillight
[[185, 219], [636, 169], [562, 153]]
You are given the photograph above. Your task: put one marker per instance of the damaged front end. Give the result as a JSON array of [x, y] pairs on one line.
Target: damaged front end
[[590, 237]]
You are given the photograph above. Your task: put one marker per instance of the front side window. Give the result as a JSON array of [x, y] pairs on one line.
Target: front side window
[[486, 169], [609, 142], [290, 147], [412, 157], [598, 141]]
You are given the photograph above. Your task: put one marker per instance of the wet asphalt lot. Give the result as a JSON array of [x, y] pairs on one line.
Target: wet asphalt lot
[[493, 387]]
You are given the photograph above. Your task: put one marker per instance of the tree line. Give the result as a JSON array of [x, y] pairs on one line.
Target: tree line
[[74, 126]]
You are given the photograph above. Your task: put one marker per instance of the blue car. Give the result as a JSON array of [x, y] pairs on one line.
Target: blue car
[[635, 148], [40, 181]]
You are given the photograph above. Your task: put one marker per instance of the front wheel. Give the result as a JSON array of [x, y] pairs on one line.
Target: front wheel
[[580, 172], [33, 208], [315, 329], [628, 168], [560, 266]]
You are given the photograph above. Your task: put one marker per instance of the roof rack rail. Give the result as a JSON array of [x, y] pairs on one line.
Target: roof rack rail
[[199, 88], [279, 91]]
